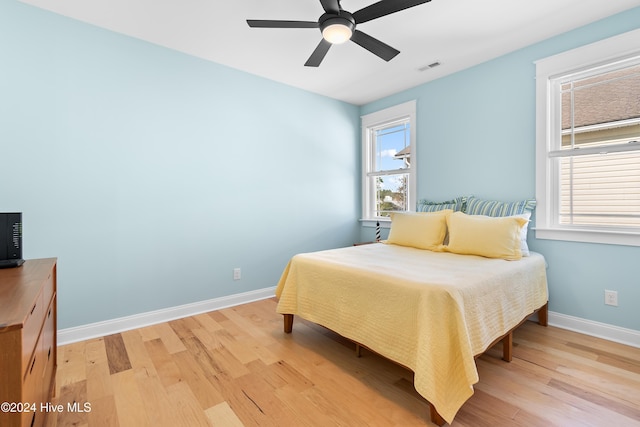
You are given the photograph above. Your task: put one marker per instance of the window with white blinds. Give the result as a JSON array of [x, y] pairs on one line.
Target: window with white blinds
[[588, 144], [599, 154]]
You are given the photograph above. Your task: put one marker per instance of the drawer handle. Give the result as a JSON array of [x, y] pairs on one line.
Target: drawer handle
[[49, 314], [49, 354], [32, 365], [33, 420], [34, 308]]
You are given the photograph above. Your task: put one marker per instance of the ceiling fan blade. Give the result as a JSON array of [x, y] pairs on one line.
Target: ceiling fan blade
[[330, 6], [318, 55], [374, 46], [384, 7], [265, 23]]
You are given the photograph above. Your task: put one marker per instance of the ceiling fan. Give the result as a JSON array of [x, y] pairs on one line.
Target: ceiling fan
[[338, 26]]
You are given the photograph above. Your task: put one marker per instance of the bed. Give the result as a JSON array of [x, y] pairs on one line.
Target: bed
[[430, 310]]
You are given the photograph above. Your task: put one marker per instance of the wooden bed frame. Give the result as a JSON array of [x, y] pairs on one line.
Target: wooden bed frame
[[507, 347]]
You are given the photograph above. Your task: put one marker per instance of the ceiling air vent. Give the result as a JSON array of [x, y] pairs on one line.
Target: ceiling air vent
[[430, 66]]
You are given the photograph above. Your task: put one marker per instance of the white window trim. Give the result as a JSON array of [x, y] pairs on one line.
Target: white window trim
[[605, 51], [397, 112]]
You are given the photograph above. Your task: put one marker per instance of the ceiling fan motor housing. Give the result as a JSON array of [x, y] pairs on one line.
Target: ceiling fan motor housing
[[343, 18]]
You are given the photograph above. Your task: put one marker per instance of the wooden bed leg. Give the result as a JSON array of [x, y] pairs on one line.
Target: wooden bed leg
[[358, 350], [543, 315], [507, 347], [436, 418], [288, 323]]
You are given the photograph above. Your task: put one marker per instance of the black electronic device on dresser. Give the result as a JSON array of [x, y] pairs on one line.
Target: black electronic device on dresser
[[11, 239]]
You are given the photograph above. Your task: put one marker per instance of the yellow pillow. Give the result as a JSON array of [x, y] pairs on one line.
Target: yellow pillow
[[491, 237], [424, 230]]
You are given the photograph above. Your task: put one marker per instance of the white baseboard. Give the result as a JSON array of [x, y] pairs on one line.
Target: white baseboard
[[108, 327], [80, 333], [596, 329]]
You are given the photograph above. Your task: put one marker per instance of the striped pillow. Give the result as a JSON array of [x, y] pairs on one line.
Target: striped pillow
[[496, 208], [455, 205]]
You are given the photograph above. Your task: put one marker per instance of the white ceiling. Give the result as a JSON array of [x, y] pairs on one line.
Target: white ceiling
[[457, 33]]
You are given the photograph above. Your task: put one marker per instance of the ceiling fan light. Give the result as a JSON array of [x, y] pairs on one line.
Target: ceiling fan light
[[337, 33]]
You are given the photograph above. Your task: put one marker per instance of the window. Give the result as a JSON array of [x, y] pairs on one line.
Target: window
[[388, 161], [588, 143]]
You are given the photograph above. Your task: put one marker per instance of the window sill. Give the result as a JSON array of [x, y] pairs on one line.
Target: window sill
[[589, 236], [384, 223]]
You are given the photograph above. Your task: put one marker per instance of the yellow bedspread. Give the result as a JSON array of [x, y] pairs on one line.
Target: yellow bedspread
[[429, 311]]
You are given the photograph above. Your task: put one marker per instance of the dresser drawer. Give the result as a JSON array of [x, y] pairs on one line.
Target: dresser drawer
[[49, 347], [31, 330], [32, 390], [48, 288]]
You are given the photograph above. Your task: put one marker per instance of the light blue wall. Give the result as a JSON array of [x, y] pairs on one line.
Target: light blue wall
[[151, 174], [476, 135]]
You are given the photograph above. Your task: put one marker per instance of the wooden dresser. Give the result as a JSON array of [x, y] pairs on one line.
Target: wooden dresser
[[28, 341]]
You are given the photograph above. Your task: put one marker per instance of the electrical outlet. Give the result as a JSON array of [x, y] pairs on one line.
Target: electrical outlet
[[611, 297], [237, 274]]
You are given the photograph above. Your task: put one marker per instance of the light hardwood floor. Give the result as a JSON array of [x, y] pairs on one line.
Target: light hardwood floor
[[235, 367]]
